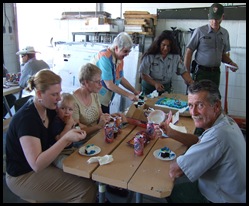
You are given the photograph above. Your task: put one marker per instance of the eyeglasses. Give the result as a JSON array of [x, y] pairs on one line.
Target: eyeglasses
[[96, 81], [126, 51], [24, 55]]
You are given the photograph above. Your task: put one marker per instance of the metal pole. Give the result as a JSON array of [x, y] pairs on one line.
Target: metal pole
[[102, 189], [226, 88], [139, 197]]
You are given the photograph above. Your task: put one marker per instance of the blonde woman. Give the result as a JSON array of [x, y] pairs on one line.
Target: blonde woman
[[29, 155]]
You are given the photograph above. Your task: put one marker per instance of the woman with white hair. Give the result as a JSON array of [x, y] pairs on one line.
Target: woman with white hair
[[111, 62]]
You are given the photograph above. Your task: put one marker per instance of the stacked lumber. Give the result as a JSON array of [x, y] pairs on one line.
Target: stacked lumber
[[141, 22]]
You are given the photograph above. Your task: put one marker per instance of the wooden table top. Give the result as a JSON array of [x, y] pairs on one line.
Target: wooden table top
[[77, 164], [124, 165], [155, 172], [143, 174]]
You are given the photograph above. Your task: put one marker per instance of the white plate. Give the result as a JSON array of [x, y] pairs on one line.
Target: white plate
[[231, 66], [156, 116], [172, 154], [83, 148]]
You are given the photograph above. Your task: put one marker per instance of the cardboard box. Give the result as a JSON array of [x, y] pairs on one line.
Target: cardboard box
[[96, 21], [99, 28], [136, 116], [137, 112]]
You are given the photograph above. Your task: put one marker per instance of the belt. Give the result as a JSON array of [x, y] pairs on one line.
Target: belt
[[209, 69]]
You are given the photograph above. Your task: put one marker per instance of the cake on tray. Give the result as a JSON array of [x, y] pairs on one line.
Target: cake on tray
[[171, 103]]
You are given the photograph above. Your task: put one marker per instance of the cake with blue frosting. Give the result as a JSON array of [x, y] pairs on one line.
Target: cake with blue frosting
[[90, 149], [165, 152], [171, 103]]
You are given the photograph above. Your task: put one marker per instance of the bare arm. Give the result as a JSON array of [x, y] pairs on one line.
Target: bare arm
[[38, 159], [187, 78], [185, 138], [188, 58], [149, 80], [121, 91], [104, 118], [227, 59], [128, 86], [69, 125], [175, 171]]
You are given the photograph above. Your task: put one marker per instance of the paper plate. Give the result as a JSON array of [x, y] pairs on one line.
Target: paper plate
[[172, 155], [96, 150], [231, 66], [156, 116]]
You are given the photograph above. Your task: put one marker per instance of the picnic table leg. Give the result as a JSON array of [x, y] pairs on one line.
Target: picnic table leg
[[130, 196], [7, 105], [139, 197], [102, 189]]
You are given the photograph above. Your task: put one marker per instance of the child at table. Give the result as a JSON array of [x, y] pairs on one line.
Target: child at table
[[62, 123]]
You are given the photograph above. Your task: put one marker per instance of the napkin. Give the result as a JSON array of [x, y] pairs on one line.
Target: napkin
[[175, 118], [102, 160], [178, 128], [153, 94]]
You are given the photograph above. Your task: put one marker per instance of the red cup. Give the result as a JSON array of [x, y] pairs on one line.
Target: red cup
[[150, 130], [139, 145], [109, 132]]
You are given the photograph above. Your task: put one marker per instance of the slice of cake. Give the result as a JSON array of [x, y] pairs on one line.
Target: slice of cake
[[90, 149], [164, 152]]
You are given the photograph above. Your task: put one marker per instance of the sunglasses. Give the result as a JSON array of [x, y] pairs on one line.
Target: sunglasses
[[24, 55]]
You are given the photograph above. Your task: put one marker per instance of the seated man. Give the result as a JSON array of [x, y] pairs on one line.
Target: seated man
[[30, 65], [215, 161]]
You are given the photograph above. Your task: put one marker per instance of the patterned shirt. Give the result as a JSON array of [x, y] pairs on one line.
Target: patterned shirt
[[112, 70], [87, 115]]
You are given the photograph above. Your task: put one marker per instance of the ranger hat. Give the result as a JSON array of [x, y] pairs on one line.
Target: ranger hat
[[216, 11], [27, 50]]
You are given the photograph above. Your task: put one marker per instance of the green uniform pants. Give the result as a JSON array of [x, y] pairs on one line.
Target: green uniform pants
[[187, 192], [211, 75]]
